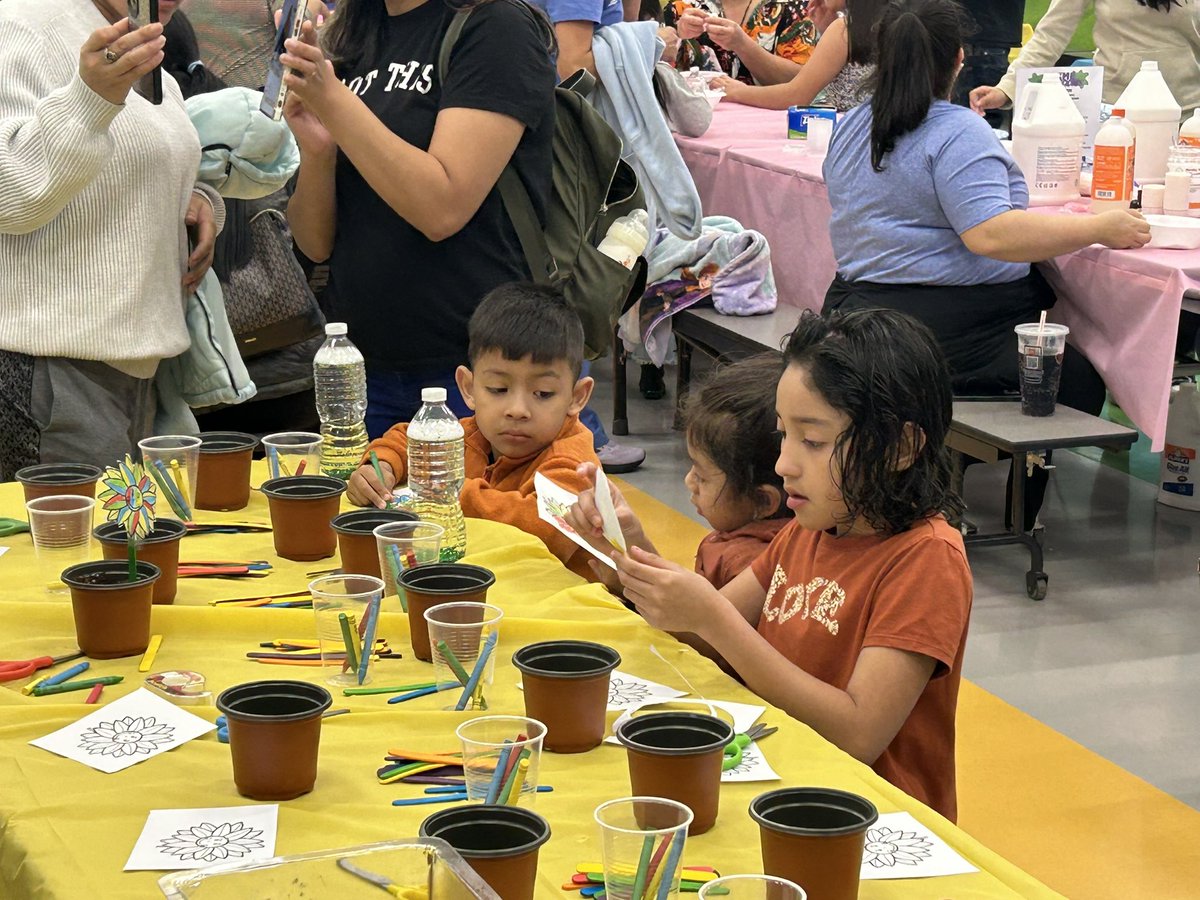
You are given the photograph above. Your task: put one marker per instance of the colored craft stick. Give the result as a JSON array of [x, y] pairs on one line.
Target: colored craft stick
[[423, 692], [273, 461], [181, 479], [283, 469], [178, 503], [497, 782], [655, 874], [452, 661], [388, 774], [66, 674], [395, 689], [378, 471], [290, 662], [639, 879], [369, 637], [669, 868], [594, 871], [393, 558], [516, 781], [330, 713], [422, 801], [151, 652], [83, 685], [97, 689], [452, 758], [351, 642], [433, 779], [300, 468], [477, 674]]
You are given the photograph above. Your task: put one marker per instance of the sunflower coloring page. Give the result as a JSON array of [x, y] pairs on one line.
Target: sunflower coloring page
[[627, 691], [192, 838], [898, 846], [125, 732]]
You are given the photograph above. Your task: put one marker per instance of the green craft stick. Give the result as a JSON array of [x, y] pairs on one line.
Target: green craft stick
[[82, 685], [452, 661], [351, 642], [395, 689], [639, 880]]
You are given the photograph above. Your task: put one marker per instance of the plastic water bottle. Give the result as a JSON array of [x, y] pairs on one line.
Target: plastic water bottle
[[435, 470], [340, 378], [627, 238]]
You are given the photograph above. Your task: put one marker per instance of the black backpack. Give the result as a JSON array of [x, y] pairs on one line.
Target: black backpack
[[591, 188]]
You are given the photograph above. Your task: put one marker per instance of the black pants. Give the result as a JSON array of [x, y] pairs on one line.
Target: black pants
[[974, 327], [983, 66]]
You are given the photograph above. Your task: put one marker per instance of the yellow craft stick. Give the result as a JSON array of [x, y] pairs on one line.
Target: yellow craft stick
[[444, 759], [151, 652], [693, 874], [514, 793], [182, 481]]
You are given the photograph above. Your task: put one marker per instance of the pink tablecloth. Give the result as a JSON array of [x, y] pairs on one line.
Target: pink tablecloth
[[1122, 305]]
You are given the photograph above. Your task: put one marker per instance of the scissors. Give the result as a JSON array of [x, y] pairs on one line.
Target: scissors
[[734, 749], [9, 527], [14, 669]]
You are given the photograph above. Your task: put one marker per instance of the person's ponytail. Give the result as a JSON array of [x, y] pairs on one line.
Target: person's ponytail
[[916, 55]]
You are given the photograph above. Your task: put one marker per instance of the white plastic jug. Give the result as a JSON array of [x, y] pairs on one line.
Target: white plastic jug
[[1047, 143], [1151, 107], [1179, 472]]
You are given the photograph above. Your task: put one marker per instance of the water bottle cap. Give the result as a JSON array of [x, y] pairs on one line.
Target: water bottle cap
[[334, 329], [433, 395]]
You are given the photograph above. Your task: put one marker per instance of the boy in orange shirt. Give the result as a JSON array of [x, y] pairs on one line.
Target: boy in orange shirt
[[524, 386]]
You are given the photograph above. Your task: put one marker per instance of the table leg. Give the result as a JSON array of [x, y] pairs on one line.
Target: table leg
[[683, 375], [620, 423]]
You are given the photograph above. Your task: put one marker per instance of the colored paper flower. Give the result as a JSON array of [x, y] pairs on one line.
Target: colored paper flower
[[129, 497], [129, 736], [207, 842], [890, 847]]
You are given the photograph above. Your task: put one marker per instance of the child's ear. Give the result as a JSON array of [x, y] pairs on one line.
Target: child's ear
[[465, 379], [912, 442], [768, 498], [580, 395]]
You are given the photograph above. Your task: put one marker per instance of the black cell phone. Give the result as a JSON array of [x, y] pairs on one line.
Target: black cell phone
[[145, 12], [291, 20]]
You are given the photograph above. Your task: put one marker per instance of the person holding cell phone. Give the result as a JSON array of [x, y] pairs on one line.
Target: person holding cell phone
[[396, 187], [103, 230]]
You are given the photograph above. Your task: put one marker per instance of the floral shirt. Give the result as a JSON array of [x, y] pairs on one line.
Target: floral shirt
[[781, 27]]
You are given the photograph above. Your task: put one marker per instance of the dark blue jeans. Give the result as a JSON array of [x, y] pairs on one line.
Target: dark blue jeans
[[982, 65]]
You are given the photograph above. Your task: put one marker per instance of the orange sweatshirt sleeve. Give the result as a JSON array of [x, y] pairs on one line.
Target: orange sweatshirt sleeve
[[392, 449]]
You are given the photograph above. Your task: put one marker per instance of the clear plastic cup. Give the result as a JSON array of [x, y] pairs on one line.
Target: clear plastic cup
[[501, 758], [171, 461], [403, 545], [642, 839], [292, 453], [1039, 359], [459, 635], [752, 887], [61, 527], [820, 132], [343, 606]]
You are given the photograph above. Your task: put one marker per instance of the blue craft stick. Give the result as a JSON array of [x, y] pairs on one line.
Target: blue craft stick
[[422, 801], [493, 791], [369, 638], [672, 865], [458, 788], [168, 484], [422, 692], [68, 674], [273, 461], [480, 665]]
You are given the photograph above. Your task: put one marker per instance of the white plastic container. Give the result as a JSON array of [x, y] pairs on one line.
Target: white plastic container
[[1189, 134], [1048, 143], [1112, 166], [627, 238], [1151, 107], [1175, 196], [1179, 472]]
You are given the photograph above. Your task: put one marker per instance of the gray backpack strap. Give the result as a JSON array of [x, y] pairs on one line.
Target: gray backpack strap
[[449, 40], [543, 268]]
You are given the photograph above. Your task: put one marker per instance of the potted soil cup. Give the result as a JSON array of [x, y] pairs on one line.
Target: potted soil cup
[[274, 736], [302, 507], [566, 686], [814, 837], [356, 538], [500, 843], [678, 756], [427, 586], [160, 547], [223, 470], [47, 479], [112, 613]]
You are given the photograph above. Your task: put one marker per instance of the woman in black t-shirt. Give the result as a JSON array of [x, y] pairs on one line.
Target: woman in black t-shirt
[[397, 176]]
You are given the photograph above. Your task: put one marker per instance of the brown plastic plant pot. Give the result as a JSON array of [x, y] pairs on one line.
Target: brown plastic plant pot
[[356, 538], [160, 547], [274, 736], [678, 756], [302, 507], [427, 586], [47, 479], [223, 471], [814, 837], [500, 843], [566, 687], [112, 613]]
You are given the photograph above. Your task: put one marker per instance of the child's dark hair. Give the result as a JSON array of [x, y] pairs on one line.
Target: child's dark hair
[[521, 319], [181, 58], [731, 419], [884, 370]]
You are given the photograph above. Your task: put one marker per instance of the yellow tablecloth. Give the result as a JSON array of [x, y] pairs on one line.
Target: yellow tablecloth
[[66, 830]]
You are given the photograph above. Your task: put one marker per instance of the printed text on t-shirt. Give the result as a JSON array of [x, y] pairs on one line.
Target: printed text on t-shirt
[[819, 600], [409, 76]]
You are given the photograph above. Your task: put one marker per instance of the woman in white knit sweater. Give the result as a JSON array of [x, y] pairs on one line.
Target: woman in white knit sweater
[[1126, 33], [98, 202]]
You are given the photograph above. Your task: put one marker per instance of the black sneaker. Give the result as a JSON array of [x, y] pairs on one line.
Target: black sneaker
[[651, 383]]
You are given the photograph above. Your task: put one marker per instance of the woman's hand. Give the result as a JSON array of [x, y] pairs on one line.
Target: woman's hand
[[727, 34], [731, 86], [113, 58], [690, 25], [1122, 229], [202, 230], [310, 77], [668, 596], [985, 98]]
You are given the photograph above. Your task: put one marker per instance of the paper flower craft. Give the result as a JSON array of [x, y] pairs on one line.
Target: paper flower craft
[[129, 497], [888, 847], [129, 736], [208, 842]]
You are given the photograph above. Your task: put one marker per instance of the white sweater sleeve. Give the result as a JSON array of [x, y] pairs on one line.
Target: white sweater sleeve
[[53, 138], [1049, 40]]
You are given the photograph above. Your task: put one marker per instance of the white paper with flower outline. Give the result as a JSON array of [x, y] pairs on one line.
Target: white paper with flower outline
[[174, 839], [898, 846], [553, 502], [125, 732], [627, 691], [753, 767]]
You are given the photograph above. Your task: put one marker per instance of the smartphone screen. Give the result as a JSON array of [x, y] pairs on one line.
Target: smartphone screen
[[144, 12], [274, 90]]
